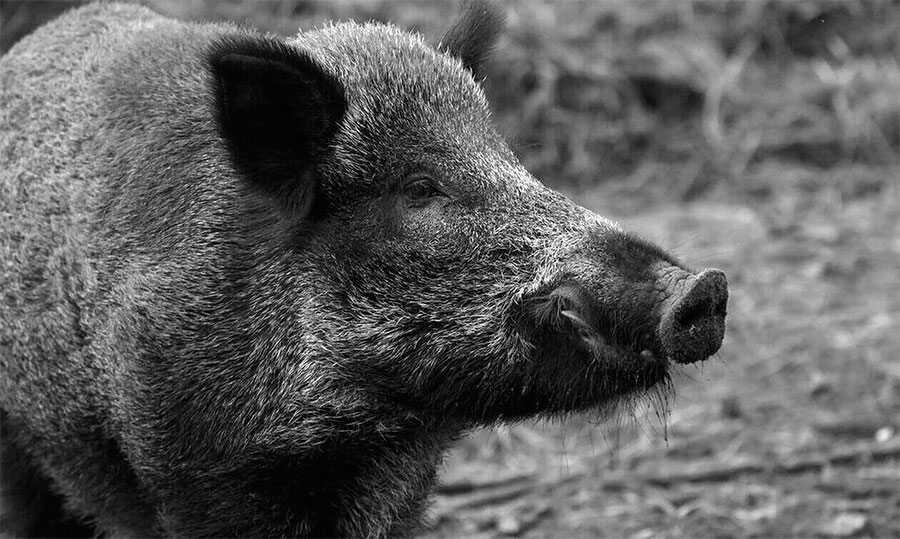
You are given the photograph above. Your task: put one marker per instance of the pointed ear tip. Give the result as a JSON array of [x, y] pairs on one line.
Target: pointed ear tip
[[493, 10], [487, 16], [474, 33], [236, 55]]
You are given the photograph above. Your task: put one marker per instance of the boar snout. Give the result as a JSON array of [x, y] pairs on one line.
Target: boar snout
[[644, 318], [693, 318]]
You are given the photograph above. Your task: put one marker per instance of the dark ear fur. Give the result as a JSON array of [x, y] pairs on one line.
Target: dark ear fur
[[278, 110], [472, 36]]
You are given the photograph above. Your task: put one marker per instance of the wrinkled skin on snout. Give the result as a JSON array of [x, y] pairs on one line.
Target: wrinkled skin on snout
[[256, 287]]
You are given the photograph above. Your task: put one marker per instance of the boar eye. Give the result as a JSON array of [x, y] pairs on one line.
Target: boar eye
[[420, 189]]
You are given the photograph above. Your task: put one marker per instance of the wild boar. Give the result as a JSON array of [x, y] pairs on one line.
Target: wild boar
[[255, 286]]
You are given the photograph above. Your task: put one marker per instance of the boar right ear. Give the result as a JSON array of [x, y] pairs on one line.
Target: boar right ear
[[278, 110], [472, 36]]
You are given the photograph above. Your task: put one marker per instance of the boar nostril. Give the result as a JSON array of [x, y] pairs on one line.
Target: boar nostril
[[692, 315], [721, 308], [693, 325], [698, 313]]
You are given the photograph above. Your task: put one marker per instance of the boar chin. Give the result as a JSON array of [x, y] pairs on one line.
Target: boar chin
[[606, 373]]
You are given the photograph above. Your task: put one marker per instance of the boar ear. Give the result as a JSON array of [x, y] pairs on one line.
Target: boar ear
[[278, 110], [471, 38]]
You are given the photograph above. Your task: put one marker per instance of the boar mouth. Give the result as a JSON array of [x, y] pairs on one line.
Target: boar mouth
[[568, 322], [600, 346]]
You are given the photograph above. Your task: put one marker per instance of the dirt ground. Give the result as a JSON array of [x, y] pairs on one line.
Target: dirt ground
[[759, 137]]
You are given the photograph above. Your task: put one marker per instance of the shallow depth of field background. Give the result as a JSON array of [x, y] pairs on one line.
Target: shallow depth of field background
[[759, 137]]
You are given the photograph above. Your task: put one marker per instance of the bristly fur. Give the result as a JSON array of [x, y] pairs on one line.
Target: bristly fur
[[222, 313]]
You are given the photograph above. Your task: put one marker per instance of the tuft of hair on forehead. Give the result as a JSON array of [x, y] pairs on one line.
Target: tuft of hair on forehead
[[474, 34]]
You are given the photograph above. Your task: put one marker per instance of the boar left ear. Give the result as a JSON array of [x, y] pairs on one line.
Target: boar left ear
[[278, 111], [471, 38]]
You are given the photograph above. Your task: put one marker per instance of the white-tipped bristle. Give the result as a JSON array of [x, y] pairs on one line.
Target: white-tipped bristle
[[573, 316]]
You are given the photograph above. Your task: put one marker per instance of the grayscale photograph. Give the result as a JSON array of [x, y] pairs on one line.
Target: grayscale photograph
[[450, 269]]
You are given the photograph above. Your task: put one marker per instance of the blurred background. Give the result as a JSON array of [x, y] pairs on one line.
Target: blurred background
[[759, 137]]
